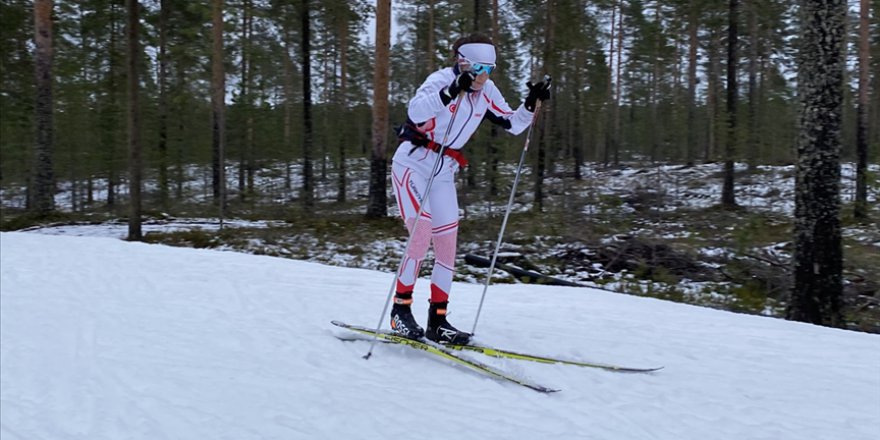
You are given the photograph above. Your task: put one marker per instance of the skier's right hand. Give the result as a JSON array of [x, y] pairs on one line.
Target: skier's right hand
[[461, 83]]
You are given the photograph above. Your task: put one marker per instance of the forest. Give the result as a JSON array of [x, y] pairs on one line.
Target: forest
[[721, 153]]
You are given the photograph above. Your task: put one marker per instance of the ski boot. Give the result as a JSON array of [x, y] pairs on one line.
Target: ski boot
[[440, 330], [403, 322]]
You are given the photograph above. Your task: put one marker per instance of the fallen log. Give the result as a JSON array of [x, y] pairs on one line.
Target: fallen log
[[526, 276]]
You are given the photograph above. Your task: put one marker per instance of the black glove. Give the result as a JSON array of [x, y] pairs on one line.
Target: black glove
[[461, 83], [537, 91], [409, 132]]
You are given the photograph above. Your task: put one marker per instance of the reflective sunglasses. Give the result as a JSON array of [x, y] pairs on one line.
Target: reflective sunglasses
[[478, 68]]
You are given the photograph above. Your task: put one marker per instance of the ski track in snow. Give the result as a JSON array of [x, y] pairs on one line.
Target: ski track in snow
[[104, 339]]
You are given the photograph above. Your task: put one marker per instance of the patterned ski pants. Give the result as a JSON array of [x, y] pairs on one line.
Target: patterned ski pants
[[438, 224]]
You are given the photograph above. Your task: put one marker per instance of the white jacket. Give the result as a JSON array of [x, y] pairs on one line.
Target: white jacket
[[426, 108]]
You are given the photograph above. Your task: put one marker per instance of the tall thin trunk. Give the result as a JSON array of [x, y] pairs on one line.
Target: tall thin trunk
[[712, 99], [218, 105], [378, 206], [180, 171], [432, 50], [135, 166], [818, 253], [245, 100], [329, 72], [164, 13], [728, 196], [861, 203], [753, 151], [308, 190], [113, 111], [657, 130], [542, 131], [250, 144], [43, 180], [693, 27], [288, 108], [609, 93], [492, 172], [577, 141], [477, 11], [617, 135], [341, 100]]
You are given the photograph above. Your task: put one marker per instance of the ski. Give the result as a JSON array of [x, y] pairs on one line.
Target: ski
[[442, 352], [501, 353], [508, 354]]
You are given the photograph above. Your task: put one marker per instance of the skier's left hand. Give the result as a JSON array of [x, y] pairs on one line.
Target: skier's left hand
[[541, 91]]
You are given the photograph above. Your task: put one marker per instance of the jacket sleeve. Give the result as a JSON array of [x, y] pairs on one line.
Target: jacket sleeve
[[519, 119], [426, 103]]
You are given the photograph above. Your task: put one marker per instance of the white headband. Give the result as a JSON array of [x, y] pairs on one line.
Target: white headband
[[478, 52]]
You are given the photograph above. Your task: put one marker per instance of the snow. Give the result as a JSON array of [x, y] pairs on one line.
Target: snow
[[105, 339]]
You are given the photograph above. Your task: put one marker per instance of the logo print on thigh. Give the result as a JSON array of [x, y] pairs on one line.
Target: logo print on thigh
[[414, 190]]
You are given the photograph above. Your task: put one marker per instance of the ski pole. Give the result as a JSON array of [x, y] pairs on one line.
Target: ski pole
[[522, 159], [434, 171]]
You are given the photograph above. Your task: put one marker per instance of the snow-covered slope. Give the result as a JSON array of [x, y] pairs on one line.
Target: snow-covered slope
[[103, 339]]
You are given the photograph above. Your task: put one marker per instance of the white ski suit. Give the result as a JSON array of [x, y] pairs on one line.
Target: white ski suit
[[412, 167]]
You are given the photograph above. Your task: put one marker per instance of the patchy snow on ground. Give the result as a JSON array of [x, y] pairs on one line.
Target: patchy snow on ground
[[765, 188], [119, 229], [106, 339]]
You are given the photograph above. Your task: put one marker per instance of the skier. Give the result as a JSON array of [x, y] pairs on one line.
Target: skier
[[465, 85]]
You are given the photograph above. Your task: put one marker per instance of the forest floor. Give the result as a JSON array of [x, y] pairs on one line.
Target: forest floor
[[644, 229]]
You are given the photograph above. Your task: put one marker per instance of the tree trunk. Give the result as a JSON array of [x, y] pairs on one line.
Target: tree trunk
[[477, 10], [164, 13], [431, 44], [135, 166], [693, 27], [113, 124], [861, 203], [288, 107], [378, 206], [180, 171], [656, 128], [617, 136], [818, 281], [493, 159], [218, 105], [246, 166], [728, 196], [754, 152], [308, 190], [609, 93], [712, 94], [577, 145], [549, 35], [43, 193], [342, 99]]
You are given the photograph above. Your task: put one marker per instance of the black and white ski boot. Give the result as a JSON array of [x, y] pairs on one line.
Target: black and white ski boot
[[440, 330], [402, 320]]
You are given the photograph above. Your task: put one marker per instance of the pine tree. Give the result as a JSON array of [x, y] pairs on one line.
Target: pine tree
[[728, 195], [308, 190], [818, 280], [861, 203], [218, 103], [378, 204], [43, 174], [135, 165]]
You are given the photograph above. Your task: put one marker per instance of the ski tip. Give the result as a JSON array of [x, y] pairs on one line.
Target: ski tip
[[638, 370]]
